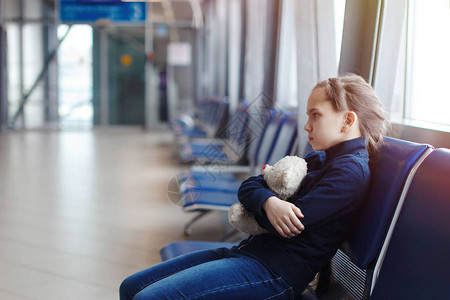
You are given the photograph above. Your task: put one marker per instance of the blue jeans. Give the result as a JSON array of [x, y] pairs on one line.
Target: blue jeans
[[208, 274]]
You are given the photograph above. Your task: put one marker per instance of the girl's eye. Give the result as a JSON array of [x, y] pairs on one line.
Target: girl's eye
[[315, 115]]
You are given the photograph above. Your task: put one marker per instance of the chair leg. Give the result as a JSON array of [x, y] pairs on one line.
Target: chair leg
[[187, 227]]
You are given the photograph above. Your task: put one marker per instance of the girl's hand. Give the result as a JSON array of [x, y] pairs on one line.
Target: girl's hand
[[284, 216]]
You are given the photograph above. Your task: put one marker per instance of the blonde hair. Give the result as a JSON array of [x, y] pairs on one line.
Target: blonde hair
[[351, 92]]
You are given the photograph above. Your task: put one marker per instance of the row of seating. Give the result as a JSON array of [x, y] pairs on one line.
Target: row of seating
[[213, 186], [204, 121], [226, 145], [400, 246], [192, 133]]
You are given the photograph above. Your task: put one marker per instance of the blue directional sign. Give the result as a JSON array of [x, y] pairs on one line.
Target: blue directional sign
[[83, 11], [100, 1]]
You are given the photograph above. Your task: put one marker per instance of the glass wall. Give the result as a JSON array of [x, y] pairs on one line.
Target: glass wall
[[234, 51], [25, 62], [286, 91], [339, 12], [75, 76], [311, 30], [229, 58], [413, 63], [256, 31], [31, 67], [428, 62]]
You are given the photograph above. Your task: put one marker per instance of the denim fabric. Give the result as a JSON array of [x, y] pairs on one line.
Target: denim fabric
[[208, 274]]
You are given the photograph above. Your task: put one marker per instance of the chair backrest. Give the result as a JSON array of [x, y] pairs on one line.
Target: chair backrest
[[268, 140], [389, 172], [277, 139], [286, 140], [353, 264], [257, 132], [213, 115], [235, 133], [206, 109], [417, 261]]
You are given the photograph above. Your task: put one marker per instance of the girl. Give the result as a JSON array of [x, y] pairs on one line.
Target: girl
[[345, 123]]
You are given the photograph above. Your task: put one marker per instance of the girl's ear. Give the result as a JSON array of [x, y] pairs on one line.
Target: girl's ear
[[350, 119]]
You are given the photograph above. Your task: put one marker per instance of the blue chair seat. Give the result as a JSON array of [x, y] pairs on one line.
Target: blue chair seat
[[192, 132], [209, 155], [206, 174], [226, 185], [199, 147], [208, 200]]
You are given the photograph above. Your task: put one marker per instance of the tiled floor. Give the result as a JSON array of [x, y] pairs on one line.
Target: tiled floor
[[79, 211]]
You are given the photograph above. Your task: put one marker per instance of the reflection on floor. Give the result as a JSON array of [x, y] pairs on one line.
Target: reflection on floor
[[79, 211]]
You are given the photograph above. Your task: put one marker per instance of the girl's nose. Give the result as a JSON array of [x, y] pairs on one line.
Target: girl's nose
[[307, 127]]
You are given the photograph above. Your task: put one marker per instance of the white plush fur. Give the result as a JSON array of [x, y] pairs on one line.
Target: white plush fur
[[283, 179]]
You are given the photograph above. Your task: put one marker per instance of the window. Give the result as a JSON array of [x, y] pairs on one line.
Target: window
[[75, 76], [287, 93], [339, 12], [25, 62], [326, 42], [428, 63]]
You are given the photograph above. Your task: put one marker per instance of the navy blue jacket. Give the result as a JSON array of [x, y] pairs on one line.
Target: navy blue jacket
[[329, 197]]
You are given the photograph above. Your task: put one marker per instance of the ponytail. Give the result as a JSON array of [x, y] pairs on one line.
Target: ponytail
[[351, 92]]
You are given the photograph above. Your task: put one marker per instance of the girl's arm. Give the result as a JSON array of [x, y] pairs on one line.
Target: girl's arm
[[275, 215], [284, 217], [253, 192], [336, 194]]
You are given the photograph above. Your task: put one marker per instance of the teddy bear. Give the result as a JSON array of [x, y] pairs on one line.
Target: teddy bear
[[283, 179]]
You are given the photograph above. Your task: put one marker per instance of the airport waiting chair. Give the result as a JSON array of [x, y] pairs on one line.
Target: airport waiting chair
[[187, 125], [274, 142], [279, 140], [353, 265], [229, 144], [212, 113], [417, 261], [250, 149]]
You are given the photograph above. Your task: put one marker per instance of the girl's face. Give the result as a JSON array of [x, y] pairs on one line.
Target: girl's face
[[324, 124]]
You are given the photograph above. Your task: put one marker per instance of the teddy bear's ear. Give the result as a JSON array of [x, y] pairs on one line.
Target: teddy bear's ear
[[266, 170]]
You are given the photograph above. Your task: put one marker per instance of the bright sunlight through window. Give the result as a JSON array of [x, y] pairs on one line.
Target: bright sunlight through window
[[429, 63]]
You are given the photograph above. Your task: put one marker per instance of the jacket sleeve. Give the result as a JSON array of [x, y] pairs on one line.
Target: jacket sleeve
[[252, 194], [339, 192]]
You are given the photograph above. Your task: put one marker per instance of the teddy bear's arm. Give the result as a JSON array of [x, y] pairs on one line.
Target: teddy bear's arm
[[243, 220]]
